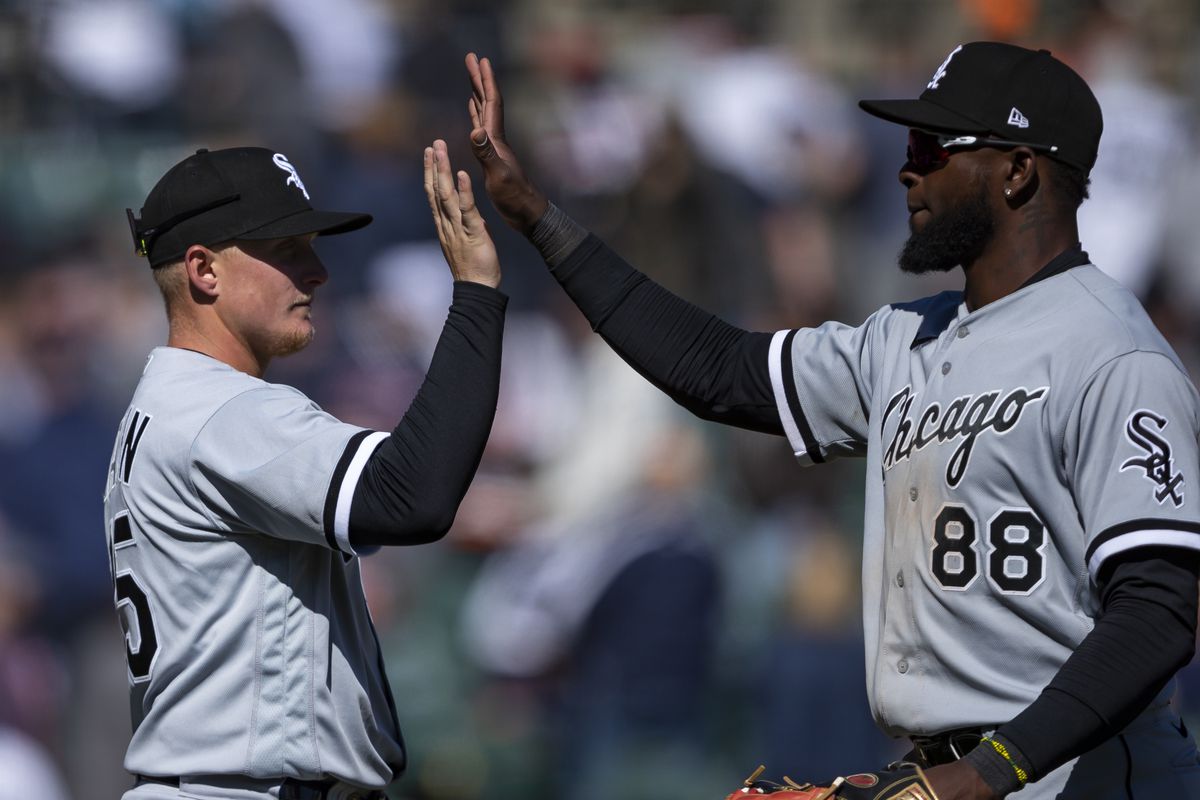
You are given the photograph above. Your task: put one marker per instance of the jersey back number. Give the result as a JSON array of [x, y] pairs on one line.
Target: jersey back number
[[133, 607], [133, 604]]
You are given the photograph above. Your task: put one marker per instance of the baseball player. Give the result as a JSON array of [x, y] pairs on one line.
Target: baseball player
[[1032, 525], [236, 509]]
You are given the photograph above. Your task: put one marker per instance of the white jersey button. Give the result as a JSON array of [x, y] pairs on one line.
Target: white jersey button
[[963, 332], [900, 579], [902, 667], [912, 493], [946, 368]]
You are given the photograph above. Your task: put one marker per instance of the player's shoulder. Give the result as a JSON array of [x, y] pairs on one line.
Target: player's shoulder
[[191, 387], [1110, 316]]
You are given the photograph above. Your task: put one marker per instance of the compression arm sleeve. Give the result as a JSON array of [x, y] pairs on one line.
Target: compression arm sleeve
[[713, 369], [412, 484], [1144, 635]]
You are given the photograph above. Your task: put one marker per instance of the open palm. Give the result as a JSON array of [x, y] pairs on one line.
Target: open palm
[[514, 195]]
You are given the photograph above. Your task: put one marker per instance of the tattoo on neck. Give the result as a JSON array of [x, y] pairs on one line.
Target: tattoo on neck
[[1037, 220]]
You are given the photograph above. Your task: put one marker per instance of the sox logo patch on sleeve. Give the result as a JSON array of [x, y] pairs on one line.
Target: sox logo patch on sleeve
[[1144, 429]]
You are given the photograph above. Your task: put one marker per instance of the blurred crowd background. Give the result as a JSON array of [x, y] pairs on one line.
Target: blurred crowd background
[[630, 604]]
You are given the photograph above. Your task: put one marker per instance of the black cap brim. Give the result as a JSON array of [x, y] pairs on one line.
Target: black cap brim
[[921, 114], [323, 223]]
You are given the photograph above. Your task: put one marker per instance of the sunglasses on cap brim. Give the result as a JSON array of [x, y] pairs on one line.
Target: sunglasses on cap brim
[[929, 151], [144, 237]]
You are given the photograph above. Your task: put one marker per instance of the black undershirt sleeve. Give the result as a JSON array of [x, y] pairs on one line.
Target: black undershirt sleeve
[[1145, 634], [715, 370], [411, 486]]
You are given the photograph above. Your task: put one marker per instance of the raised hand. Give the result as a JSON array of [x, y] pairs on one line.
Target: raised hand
[[515, 197], [465, 241]]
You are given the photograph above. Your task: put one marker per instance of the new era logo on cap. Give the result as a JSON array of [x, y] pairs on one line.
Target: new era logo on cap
[[989, 88], [1018, 119]]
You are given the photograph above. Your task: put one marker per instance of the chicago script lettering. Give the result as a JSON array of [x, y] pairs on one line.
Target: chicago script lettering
[[964, 418]]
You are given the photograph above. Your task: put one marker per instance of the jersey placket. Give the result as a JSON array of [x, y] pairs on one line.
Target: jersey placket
[[917, 494]]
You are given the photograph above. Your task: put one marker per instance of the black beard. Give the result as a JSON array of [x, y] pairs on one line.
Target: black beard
[[956, 237]]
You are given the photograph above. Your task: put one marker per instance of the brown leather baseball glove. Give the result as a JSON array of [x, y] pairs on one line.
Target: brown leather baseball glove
[[900, 781]]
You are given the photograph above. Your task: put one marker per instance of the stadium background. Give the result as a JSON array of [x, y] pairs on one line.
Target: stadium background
[[630, 604]]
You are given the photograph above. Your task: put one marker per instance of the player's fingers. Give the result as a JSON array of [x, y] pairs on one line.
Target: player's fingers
[[431, 193], [466, 200], [479, 137], [493, 107], [473, 110], [481, 146], [440, 224], [476, 78], [444, 184], [472, 63], [438, 166]]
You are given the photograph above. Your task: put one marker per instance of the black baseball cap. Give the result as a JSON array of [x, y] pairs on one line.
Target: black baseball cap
[[220, 195], [1006, 92]]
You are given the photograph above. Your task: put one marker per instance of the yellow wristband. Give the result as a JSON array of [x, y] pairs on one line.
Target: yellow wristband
[[1022, 775]]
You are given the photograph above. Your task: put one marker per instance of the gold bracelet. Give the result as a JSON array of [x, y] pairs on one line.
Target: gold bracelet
[[1022, 775]]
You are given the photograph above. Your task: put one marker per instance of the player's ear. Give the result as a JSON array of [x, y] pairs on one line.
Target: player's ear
[[199, 263], [1021, 178]]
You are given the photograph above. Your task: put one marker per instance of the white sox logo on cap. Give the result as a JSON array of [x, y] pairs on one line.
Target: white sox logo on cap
[[281, 161], [941, 70]]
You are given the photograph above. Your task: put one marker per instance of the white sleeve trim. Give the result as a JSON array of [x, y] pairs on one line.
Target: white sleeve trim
[[775, 364], [1133, 539], [341, 514]]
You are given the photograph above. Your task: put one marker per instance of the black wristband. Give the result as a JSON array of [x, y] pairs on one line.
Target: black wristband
[[1000, 773], [556, 235]]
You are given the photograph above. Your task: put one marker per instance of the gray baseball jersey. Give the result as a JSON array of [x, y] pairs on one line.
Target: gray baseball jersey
[[1010, 451], [251, 650]]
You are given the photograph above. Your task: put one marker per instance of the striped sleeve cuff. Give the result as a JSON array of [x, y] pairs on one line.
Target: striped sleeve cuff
[[341, 488], [1141, 533], [783, 383]]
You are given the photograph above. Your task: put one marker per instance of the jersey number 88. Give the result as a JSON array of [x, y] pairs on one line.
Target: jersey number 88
[[1015, 541]]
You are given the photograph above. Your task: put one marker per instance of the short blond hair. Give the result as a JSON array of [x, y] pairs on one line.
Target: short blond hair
[[172, 282]]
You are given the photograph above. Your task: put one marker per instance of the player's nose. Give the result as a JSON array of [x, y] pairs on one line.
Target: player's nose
[[908, 175], [314, 272], [320, 275]]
